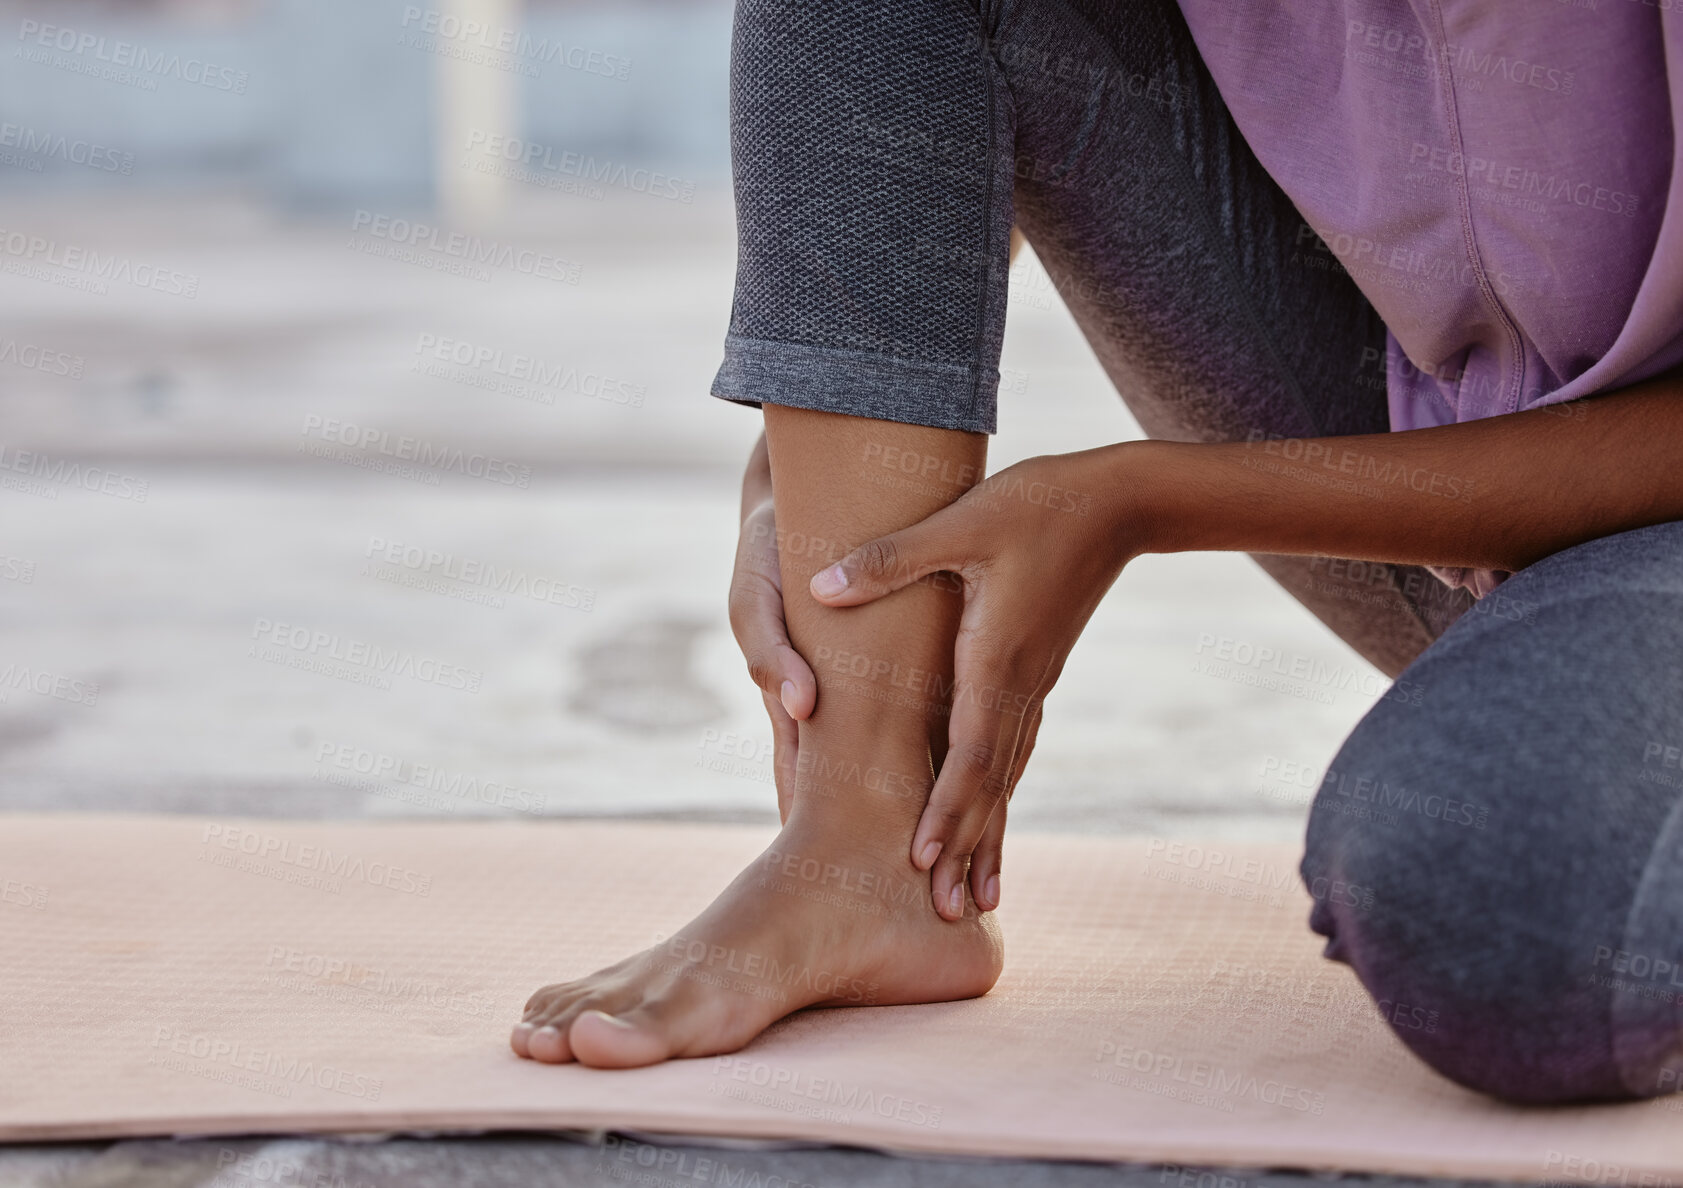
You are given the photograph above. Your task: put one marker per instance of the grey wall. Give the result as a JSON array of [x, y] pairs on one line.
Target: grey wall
[[330, 107]]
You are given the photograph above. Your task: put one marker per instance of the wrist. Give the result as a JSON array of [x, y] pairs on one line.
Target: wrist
[[1142, 495]]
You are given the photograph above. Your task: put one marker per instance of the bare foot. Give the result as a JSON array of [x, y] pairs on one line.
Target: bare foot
[[828, 916]]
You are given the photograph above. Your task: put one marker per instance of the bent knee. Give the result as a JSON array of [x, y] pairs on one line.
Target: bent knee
[[1485, 937], [1493, 995]]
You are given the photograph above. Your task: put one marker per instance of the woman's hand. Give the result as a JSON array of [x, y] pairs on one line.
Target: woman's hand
[[756, 619], [1037, 546]]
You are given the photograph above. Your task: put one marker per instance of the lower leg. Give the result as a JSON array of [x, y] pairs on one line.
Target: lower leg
[[833, 912]]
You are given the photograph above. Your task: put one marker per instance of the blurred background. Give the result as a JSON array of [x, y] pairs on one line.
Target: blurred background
[[356, 456]]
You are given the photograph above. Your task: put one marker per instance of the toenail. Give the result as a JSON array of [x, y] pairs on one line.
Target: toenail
[[992, 890], [525, 1026], [930, 852], [619, 1023], [955, 901], [550, 1029]]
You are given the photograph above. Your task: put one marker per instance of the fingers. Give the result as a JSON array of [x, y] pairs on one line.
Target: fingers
[[785, 739], [888, 563], [986, 861], [974, 780], [785, 679], [756, 619]]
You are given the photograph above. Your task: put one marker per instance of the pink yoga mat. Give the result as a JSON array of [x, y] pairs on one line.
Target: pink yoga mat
[[191, 976]]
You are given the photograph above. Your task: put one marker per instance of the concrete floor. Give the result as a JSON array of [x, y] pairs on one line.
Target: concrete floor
[[623, 697], [533, 1161]]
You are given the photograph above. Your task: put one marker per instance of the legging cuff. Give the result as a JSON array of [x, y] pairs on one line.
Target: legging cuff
[[860, 384]]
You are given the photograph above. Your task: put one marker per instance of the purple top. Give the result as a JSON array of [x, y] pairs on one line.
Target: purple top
[[1500, 180]]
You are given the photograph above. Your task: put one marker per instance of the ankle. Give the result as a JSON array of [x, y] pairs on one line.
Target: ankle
[[863, 781]]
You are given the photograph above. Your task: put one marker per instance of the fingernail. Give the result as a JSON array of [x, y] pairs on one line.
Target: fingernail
[[991, 890], [787, 696], [930, 852], [829, 581], [955, 901]]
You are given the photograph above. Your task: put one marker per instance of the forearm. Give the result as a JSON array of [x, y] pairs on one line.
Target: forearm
[[1498, 493]]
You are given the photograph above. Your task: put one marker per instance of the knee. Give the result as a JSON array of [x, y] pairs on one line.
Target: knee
[[1506, 844], [1477, 954]]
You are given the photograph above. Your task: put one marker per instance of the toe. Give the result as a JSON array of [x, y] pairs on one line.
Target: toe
[[551, 1004], [629, 1040], [548, 1045], [542, 1003], [519, 1039]]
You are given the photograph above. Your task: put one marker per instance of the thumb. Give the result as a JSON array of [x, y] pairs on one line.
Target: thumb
[[886, 564]]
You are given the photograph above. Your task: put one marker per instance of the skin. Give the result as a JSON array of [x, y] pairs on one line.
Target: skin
[[962, 601], [833, 913], [1499, 493]]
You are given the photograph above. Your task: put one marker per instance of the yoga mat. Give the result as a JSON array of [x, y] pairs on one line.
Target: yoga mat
[[168, 975]]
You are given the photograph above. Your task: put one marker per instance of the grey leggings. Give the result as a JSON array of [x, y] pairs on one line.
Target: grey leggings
[[883, 150]]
